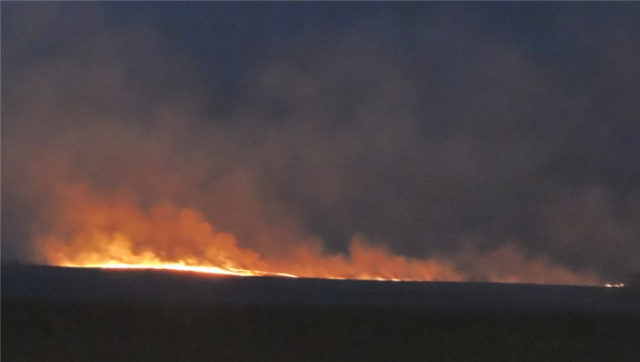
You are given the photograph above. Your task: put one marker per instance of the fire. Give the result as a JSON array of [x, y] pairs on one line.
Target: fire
[[186, 268], [114, 232], [613, 285]]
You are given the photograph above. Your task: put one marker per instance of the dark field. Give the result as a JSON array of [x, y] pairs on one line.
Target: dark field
[[143, 316]]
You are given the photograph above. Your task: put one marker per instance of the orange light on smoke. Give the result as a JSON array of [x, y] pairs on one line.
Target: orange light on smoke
[[114, 232]]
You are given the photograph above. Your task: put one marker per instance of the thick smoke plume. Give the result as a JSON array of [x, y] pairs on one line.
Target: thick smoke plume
[[95, 230], [429, 148], [90, 230]]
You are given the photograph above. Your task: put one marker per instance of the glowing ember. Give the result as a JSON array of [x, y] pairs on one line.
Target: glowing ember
[[613, 285]]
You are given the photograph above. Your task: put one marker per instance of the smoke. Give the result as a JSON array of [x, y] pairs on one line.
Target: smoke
[[432, 150], [92, 230]]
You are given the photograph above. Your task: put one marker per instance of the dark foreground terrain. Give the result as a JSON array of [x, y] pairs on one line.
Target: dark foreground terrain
[[58, 314]]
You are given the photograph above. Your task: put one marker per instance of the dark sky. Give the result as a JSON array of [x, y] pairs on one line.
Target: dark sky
[[480, 132]]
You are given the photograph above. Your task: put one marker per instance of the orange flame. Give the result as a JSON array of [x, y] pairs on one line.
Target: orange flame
[[114, 232]]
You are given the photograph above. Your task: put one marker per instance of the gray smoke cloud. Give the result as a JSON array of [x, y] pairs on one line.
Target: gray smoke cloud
[[514, 156]]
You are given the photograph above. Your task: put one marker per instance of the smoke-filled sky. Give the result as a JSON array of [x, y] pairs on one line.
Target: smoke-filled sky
[[486, 141]]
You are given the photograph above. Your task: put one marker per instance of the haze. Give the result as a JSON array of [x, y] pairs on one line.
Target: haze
[[493, 142]]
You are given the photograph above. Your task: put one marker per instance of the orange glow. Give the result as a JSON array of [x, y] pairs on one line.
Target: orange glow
[[185, 268], [92, 230], [613, 285]]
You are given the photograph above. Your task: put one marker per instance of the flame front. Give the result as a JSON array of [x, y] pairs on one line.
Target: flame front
[[113, 232], [120, 256]]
